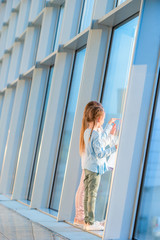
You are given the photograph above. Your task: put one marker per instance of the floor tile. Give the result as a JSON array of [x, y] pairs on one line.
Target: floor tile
[[20, 222], [16, 227]]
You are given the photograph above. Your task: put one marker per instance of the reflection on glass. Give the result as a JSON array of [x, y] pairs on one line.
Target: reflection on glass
[[87, 14], [60, 17], [120, 2], [148, 220], [114, 91], [40, 133], [67, 129]]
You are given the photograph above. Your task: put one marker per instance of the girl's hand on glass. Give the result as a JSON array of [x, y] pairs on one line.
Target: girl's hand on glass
[[112, 120]]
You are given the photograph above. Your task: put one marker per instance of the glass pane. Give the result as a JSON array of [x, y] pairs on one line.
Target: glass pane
[[67, 129], [114, 91], [40, 133], [120, 2], [148, 220], [59, 24], [87, 14]]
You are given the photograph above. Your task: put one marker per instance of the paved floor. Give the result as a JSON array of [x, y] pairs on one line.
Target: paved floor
[[19, 222]]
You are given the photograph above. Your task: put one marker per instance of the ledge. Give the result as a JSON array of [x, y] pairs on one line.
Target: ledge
[[54, 3], [77, 42], [8, 51], [21, 37], [13, 84], [15, 10], [48, 61], [16, 6], [28, 75], [3, 90], [37, 21], [118, 15], [5, 24]]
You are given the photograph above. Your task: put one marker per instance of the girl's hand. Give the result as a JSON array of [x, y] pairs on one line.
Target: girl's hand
[[112, 120]]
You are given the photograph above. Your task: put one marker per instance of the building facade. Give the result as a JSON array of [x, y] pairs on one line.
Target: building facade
[[55, 56]]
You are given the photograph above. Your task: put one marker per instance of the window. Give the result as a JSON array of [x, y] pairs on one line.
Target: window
[[114, 90], [67, 129], [40, 133], [58, 29], [148, 217], [86, 17], [120, 2]]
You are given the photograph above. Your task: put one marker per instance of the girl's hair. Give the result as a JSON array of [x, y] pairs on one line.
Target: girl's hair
[[92, 111]]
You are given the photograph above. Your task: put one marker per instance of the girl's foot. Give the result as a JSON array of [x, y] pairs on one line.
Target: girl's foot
[[94, 227], [78, 222], [101, 222]]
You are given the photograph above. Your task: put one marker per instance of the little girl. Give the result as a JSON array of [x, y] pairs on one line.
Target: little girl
[[79, 198], [94, 163]]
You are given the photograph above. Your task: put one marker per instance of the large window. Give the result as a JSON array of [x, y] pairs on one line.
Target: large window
[[86, 17], [114, 90], [120, 2], [67, 129], [148, 217], [40, 133], [58, 28]]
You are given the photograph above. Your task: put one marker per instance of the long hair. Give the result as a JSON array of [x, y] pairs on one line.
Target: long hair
[[92, 111]]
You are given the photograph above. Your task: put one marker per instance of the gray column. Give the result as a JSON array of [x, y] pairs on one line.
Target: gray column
[[30, 134], [14, 136], [5, 120], [1, 102]]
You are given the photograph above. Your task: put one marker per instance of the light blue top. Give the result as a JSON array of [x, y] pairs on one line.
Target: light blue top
[[96, 151]]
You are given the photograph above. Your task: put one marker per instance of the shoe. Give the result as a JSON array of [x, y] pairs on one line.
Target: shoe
[[101, 222], [94, 227], [79, 223]]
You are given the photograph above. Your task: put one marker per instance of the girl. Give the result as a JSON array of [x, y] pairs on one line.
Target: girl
[[94, 160], [79, 199]]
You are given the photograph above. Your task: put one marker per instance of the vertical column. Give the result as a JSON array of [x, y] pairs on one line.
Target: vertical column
[[5, 120], [29, 51], [1, 102], [30, 134], [2, 12], [5, 70], [36, 8], [14, 136], [124, 193], [48, 31], [11, 30], [8, 10], [13, 72], [23, 17], [3, 39]]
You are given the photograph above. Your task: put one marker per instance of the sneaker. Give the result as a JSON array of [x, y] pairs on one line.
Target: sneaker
[[79, 223], [101, 222], [94, 227]]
